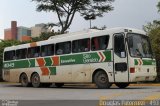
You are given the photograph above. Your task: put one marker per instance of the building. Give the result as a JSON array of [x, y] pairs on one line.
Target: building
[[38, 29], [23, 33], [7, 34], [11, 33], [17, 33]]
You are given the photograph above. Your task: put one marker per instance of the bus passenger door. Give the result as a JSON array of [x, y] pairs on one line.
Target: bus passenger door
[[120, 59]]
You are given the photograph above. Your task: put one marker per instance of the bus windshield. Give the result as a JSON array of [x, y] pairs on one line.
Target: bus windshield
[[139, 45]]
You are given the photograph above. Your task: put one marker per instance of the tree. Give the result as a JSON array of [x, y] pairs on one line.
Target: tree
[[151, 25], [66, 9], [44, 36], [154, 35], [158, 6]]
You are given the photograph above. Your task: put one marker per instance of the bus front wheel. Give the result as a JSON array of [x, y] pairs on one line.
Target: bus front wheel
[[122, 85], [24, 80], [101, 80], [35, 79]]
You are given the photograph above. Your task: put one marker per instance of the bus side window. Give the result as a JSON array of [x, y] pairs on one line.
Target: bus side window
[[82, 45], [63, 48], [43, 50], [100, 43], [47, 50], [33, 52], [9, 55], [119, 45], [21, 53]]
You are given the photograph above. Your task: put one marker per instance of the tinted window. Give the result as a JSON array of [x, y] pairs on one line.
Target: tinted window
[[9, 55], [82, 45], [33, 52], [119, 46], [47, 50], [100, 43], [21, 53], [63, 48]]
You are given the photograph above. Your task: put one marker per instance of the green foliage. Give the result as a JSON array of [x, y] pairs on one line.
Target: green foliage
[[44, 36], [155, 41], [66, 9], [153, 30], [152, 25], [158, 6], [101, 28]]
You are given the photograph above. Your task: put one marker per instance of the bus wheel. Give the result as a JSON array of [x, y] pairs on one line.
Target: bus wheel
[[122, 85], [59, 85], [35, 79], [101, 80], [24, 80]]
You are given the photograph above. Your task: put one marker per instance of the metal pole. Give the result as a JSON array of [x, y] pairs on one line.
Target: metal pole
[[90, 24]]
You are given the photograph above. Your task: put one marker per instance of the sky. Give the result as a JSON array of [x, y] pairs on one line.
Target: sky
[[126, 13]]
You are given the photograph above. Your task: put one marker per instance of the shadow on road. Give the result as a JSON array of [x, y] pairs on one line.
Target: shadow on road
[[75, 86]]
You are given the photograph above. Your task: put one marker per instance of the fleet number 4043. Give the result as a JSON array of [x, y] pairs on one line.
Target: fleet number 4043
[[8, 65]]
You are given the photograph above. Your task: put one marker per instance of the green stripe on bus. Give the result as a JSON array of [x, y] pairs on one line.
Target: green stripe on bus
[[32, 62], [144, 62], [16, 64], [48, 61], [149, 62], [135, 62], [52, 70], [84, 58], [108, 56]]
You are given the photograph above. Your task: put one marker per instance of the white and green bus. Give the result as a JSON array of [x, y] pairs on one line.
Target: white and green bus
[[117, 56]]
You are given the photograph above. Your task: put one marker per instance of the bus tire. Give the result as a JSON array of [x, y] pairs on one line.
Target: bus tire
[[59, 85], [101, 80], [122, 85], [24, 80], [35, 80]]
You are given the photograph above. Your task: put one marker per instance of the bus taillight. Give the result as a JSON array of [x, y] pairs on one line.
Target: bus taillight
[[132, 70]]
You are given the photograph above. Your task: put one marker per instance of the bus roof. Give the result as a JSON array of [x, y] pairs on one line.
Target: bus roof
[[110, 30], [77, 35]]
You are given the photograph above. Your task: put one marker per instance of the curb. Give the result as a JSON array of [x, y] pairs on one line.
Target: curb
[[158, 84]]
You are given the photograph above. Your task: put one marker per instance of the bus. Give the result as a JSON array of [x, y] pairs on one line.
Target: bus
[[117, 56]]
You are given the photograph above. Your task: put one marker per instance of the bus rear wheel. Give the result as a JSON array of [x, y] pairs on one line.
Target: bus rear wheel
[[101, 80], [59, 85], [122, 85], [24, 80], [35, 79]]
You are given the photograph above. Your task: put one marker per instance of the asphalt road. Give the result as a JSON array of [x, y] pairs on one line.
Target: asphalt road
[[77, 95]]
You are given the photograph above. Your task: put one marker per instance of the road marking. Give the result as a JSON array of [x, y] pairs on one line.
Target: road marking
[[155, 96], [118, 94]]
